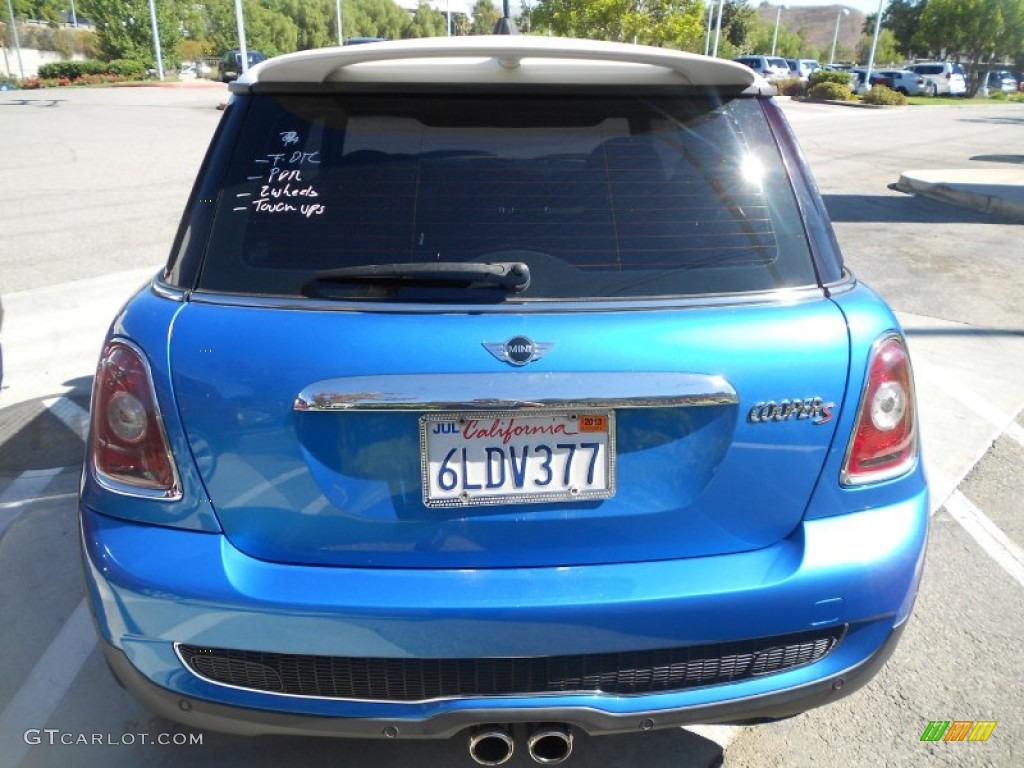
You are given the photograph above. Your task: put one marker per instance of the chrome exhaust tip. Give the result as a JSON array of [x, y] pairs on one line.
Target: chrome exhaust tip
[[550, 744], [491, 745]]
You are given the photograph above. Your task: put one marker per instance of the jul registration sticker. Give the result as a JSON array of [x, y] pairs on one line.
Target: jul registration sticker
[[516, 458]]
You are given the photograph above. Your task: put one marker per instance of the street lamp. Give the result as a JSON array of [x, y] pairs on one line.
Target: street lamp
[[874, 45], [240, 24], [341, 34], [835, 37], [775, 36], [707, 35], [718, 27], [17, 43], [156, 41]]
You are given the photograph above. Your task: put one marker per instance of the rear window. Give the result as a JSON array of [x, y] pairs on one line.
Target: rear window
[[631, 196], [929, 69]]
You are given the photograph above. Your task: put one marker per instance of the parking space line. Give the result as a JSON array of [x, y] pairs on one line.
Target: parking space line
[[47, 683], [988, 535], [1016, 432], [71, 413]]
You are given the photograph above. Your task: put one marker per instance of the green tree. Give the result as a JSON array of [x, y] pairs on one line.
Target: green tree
[[316, 21], [670, 23], [123, 29], [485, 16], [887, 53], [977, 30], [903, 17], [374, 18], [426, 22]]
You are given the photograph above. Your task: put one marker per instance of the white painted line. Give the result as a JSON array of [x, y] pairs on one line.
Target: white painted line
[[25, 502], [1016, 432], [71, 413], [28, 484], [967, 397], [988, 535], [47, 684]]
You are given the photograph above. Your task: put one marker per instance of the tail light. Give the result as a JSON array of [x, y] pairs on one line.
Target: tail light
[[129, 447], [884, 443]]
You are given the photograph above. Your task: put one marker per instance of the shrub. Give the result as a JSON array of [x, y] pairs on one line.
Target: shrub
[[879, 94], [127, 68], [1017, 97], [998, 95], [830, 91], [829, 76], [794, 86], [72, 70]]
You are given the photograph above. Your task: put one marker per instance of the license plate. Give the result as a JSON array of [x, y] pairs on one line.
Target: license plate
[[510, 458]]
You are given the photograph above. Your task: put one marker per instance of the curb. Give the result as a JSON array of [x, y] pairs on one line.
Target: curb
[[965, 195]]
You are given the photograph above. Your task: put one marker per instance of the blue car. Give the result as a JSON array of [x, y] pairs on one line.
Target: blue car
[[505, 388]]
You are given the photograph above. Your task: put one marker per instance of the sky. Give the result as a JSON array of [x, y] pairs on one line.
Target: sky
[[864, 6]]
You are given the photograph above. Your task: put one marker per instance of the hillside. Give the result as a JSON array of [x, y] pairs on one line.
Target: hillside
[[818, 23]]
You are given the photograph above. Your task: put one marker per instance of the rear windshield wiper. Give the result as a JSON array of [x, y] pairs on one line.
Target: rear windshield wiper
[[510, 276]]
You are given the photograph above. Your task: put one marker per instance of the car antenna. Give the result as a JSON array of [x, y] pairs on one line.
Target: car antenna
[[505, 25]]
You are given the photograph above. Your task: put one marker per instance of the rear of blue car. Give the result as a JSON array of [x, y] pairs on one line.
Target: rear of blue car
[[497, 401]]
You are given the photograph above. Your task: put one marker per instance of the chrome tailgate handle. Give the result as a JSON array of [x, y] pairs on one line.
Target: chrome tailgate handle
[[516, 391]]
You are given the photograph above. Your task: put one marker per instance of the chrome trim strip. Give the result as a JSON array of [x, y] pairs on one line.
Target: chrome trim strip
[[165, 291], [549, 306], [515, 391]]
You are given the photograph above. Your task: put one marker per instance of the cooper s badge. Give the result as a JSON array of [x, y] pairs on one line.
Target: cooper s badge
[[519, 350], [813, 408]]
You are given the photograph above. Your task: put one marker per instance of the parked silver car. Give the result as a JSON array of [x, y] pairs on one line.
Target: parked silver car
[[906, 82], [944, 77], [1002, 80], [771, 68]]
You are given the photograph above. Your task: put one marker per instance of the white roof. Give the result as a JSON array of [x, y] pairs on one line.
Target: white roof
[[501, 59]]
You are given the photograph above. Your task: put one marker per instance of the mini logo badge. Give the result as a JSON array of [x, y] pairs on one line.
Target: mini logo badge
[[519, 350]]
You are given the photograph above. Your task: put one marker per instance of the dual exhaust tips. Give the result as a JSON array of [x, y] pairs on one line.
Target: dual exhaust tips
[[546, 744]]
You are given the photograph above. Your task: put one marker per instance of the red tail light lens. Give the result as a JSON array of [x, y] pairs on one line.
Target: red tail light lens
[[128, 444], [884, 443]]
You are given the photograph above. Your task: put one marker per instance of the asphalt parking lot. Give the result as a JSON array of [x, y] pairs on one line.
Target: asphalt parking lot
[[102, 176]]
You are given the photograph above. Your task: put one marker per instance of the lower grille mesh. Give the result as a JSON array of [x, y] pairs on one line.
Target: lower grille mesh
[[413, 679]]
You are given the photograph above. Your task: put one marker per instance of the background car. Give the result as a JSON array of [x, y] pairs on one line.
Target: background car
[[772, 68], [877, 78], [479, 402], [230, 66], [945, 78], [906, 82], [1001, 80], [802, 68]]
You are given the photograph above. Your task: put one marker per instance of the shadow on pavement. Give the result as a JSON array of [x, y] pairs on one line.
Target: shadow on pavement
[[902, 209], [1017, 159]]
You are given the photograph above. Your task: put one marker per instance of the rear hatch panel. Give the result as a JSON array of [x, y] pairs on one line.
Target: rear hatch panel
[[344, 485]]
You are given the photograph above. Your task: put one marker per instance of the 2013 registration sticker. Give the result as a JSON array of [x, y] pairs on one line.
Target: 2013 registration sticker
[[512, 458]]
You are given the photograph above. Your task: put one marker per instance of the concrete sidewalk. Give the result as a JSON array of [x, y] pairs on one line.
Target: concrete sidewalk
[[999, 192]]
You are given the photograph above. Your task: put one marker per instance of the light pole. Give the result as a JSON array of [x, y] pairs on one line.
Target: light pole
[[341, 35], [74, 16], [775, 36], [718, 27], [156, 41], [835, 37], [707, 34], [874, 45], [240, 23], [17, 43]]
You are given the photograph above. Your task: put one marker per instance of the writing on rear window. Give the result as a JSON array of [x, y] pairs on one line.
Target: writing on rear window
[[282, 187]]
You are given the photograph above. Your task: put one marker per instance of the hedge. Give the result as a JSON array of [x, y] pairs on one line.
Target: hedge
[[829, 76], [880, 94], [829, 91], [73, 70]]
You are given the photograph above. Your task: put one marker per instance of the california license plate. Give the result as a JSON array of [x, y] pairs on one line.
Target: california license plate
[[511, 458]]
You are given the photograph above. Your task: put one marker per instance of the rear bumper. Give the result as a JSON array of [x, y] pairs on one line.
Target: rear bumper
[[151, 587], [199, 713]]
